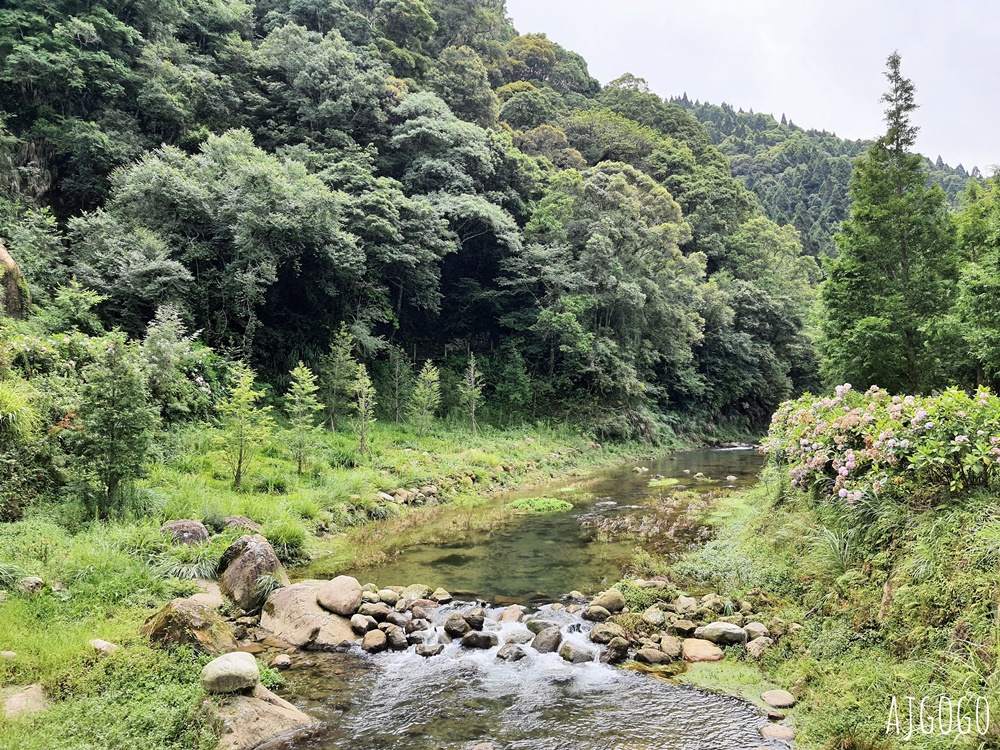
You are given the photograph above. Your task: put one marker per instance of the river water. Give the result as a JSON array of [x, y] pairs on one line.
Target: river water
[[397, 701]]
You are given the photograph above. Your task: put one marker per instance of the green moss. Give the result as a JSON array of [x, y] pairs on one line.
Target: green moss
[[539, 505]]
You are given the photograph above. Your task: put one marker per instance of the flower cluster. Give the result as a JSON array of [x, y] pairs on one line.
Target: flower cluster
[[857, 446]]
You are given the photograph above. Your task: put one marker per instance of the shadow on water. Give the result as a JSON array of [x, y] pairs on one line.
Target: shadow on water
[[397, 701]]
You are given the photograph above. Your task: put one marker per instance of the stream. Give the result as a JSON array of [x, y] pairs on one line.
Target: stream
[[462, 697]]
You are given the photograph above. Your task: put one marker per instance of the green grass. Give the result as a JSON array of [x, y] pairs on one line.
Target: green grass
[[539, 505], [938, 633]]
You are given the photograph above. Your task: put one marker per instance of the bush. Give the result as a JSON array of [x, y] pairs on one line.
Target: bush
[[866, 448]]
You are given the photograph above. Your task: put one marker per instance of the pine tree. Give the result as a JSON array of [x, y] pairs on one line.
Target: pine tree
[[337, 376], [400, 382], [888, 291], [366, 409], [470, 390], [118, 421], [302, 406], [245, 425], [426, 397]]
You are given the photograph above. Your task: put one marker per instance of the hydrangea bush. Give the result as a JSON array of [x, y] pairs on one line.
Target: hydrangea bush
[[872, 446]]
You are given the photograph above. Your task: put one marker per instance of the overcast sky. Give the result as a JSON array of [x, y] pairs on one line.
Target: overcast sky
[[821, 62]]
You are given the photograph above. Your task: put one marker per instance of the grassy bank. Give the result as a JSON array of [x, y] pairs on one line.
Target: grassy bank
[[906, 606], [104, 579]]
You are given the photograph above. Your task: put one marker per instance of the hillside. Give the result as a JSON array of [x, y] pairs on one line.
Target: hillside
[[800, 176]]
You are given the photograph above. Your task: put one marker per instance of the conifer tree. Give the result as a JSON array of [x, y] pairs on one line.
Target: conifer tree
[[338, 376], [302, 408], [426, 397], [245, 425], [366, 409], [893, 283], [470, 390]]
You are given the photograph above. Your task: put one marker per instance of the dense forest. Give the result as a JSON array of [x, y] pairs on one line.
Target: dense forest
[[801, 177], [416, 171]]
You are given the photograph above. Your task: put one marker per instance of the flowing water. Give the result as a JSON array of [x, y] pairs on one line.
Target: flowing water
[[397, 701]]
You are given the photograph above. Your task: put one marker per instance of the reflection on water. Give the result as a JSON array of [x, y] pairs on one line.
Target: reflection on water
[[542, 557]]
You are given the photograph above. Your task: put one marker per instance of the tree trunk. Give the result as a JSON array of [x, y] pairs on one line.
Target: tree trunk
[[14, 297]]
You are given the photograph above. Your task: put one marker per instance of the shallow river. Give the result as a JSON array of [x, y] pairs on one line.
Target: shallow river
[[460, 698]]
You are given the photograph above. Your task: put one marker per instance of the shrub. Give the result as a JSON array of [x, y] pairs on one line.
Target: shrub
[[863, 448]]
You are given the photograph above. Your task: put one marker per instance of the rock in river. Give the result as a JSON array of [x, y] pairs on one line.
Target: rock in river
[[575, 653], [480, 639], [342, 596], [548, 640], [293, 614], [604, 632]]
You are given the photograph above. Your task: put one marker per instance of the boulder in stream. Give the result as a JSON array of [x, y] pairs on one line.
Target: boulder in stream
[[605, 632], [576, 653], [612, 600], [548, 640], [511, 652], [341, 595], [480, 639], [293, 614], [596, 613]]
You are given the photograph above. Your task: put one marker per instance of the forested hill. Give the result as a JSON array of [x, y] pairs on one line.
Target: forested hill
[[800, 176], [415, 170]]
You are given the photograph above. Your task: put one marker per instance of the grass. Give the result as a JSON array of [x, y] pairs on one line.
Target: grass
[[936, 632], [104, 579], [539, 505]]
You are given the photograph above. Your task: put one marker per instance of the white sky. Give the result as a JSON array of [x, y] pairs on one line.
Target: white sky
[[820, 62]]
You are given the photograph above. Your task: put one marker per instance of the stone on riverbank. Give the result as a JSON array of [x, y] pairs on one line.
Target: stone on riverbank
[[511, 614], [243, 564], [417, 591], [605, 632], [102, 647], [697, 650], [185, 532], [778, 699], [596, 613], [758, 647], [185, 623], [24, 701], [756, 630], [375, 641], [652, 656], [230, 673], [243, 722], [612, 600], [722, 634], [777, 732]]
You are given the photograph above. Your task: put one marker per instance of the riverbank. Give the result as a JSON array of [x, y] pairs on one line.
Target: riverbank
[[913, 618], [102, 580]]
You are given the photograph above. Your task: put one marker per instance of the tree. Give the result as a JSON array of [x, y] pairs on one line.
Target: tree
[[400, 382], [461, 80], [302, 406], [470, 390], [893, 284], [366, 409], [426, 397], [118, 420], [338, 375], [245, 425]]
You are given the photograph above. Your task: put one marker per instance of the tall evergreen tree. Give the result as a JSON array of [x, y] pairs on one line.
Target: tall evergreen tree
[[888, 292]]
